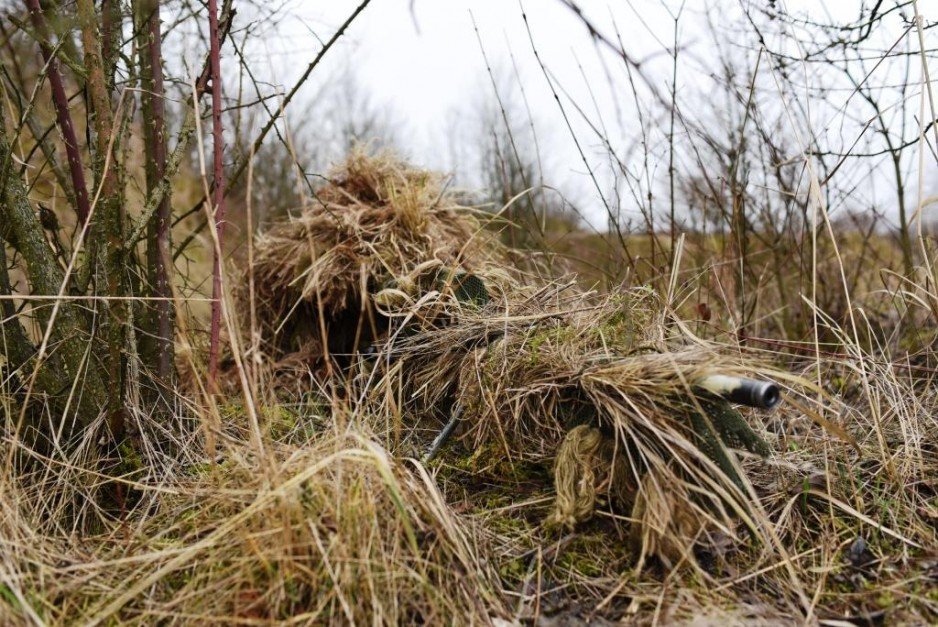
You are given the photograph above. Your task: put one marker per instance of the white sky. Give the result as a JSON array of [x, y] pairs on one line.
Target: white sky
[[427, 68]]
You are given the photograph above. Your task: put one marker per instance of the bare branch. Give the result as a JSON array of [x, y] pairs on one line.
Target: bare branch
[[64, 119]]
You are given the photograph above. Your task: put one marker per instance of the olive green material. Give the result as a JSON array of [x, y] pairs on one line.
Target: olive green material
[[467, 288], [730, 430]]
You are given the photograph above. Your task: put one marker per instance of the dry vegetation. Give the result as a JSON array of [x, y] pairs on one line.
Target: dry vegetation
[[588, 478], [320, 510]]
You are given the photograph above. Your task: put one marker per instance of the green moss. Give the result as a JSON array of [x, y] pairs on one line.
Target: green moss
[[281, 423], [130, 460], [588, 555], [619, 332], [489, 460], [886, 599], [580, 564], [932, 594], [198, 470], [294, 423], [285, 422], [558, 335], [231, 411], [513, 571]]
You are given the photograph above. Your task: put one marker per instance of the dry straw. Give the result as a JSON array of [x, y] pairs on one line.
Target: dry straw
[[227, 543]]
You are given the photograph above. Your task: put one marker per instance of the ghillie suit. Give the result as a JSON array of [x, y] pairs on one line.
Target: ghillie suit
[[389, 267], [589, 382], [378, 223]]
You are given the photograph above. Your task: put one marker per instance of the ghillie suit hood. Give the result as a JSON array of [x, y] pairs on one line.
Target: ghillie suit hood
[[378, 223]]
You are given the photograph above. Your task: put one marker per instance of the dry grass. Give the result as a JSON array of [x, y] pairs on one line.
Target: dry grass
[[335, 521], [334, 529]]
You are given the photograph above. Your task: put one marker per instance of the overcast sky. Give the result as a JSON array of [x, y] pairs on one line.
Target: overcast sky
[[425, 66], [428, 66]]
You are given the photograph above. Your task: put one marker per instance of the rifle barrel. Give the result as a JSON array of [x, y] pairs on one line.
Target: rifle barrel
[[762, 394]]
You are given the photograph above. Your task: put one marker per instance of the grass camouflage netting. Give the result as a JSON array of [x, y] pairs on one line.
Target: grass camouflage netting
[[527, 372], [375, 224]]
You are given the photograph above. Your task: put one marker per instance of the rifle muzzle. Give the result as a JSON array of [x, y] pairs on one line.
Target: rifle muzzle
[[762, 394]]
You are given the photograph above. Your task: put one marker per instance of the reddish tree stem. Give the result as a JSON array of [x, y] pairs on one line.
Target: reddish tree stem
[[63, 118], [218, 196]]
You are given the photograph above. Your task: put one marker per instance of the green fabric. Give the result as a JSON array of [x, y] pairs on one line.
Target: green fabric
[[467, 288], [724, 427]]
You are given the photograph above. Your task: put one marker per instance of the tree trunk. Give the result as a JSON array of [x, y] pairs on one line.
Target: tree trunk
[[158, 349], [111, 208], [63, 117], [20, 227]]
